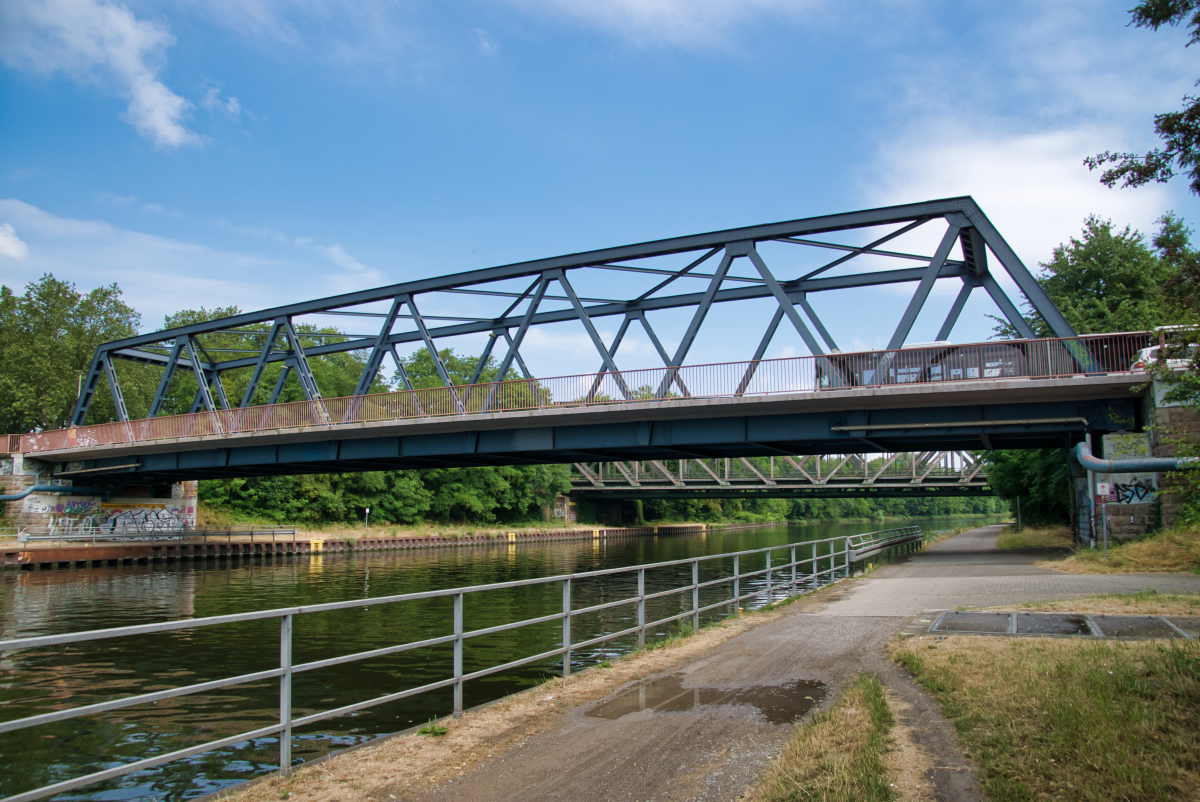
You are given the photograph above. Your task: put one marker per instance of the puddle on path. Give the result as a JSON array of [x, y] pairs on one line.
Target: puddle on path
[[779, 704]]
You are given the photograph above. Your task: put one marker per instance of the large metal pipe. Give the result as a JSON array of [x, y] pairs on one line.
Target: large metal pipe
[[1139, 465], [56, 488]]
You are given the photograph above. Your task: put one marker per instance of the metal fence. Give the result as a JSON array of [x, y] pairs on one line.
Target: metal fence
[[776, 577], [1038, 359], [106, 534]]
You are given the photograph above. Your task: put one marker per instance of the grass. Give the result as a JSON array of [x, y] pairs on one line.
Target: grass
[[1142, 602], [1069, 719], [1052, 537], [839, 756], [1173, 551]]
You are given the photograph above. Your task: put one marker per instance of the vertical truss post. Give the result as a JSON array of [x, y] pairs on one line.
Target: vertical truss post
[[379, 350], [1010, 311], [514, 344], [160, 395], [204, 395], [760, 351], [115, 387], [591, 330], [282, 380], [802, 299], [520, 362], [261, 364], [927, 281], [701, 312], [662, 353], [616, 343], [1033, 291], [785, 303], [956, 309], [484, 357], [88, 389], [222, 399], [308, 382], [433, 353]]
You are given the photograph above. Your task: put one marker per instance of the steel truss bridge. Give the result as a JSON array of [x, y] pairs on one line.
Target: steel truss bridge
[[930, 473], [1022, 393]]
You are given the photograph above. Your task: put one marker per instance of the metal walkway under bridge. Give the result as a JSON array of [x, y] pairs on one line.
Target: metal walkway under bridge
[[932, 473], [1022, 393]]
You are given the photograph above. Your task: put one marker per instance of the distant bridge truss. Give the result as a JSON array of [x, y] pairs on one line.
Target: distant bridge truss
[[923, 474], [787, 262]]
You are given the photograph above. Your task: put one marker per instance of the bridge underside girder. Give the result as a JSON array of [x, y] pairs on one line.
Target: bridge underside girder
[[973, 427], [916, 491]]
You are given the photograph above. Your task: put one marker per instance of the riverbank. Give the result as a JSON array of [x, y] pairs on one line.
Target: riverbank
[[410, 764]]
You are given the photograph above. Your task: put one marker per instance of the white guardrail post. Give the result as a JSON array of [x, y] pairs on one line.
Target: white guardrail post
[[695, 596], [737, 585], [285, 693], [566, 627], [458, 654], [641, 607]]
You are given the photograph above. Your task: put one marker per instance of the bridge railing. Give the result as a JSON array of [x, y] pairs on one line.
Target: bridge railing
[[1035, 359], [629, 615]]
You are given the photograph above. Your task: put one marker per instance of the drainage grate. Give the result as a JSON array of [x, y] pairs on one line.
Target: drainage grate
[[1067, 624], [1134, 626]]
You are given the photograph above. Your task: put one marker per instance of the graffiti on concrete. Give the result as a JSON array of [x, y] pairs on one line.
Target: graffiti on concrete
[[1132, 488], [1126, 446], [60, 505], [157, 518]]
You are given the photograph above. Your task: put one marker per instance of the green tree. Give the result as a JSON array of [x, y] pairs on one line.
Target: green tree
[[1105, 281], [1179, 130], [1039, 478], [48, 337]]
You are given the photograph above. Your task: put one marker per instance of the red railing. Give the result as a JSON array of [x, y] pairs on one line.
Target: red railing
[[1109, 353]]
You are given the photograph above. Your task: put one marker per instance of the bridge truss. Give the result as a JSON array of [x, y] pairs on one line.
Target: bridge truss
[[785, 262], [929, 473]]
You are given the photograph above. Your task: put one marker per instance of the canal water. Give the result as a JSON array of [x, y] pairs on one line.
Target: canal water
[[48, 602]]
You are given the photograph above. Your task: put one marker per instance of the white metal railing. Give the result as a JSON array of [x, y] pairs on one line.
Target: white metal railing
[[786, 576], [106, 534]]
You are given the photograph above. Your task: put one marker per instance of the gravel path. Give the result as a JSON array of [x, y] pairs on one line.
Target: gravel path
[[715, 752]]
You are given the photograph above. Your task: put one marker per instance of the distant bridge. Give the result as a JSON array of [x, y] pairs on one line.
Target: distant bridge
[[1023, 393], [928, 474]]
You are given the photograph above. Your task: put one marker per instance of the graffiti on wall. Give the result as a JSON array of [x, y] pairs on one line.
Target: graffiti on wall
[[1129, 488], [1126, 446], [121, 516], [60, 505]]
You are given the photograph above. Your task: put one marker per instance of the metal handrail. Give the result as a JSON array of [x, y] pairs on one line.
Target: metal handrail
[[793, 582], [1049, 358]]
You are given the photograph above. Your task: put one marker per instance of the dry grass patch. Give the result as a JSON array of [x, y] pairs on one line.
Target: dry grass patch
[[839, 756], [1069, 719], [1051, 537], [1143, 602], [1173, 551], [405, 765]]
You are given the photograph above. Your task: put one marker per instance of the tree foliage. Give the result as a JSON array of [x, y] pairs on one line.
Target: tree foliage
[[1179, 130], [48, 336]]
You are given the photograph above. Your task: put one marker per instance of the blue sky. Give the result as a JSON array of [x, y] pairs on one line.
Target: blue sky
[[257, 152]]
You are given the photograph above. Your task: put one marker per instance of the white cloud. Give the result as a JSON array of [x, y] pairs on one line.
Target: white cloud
[[484, 43], [675, 22], [158, 275], [11, 245], [212, 102], [94, 42]]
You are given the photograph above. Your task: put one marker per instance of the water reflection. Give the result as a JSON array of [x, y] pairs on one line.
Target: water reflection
[[47, 602]]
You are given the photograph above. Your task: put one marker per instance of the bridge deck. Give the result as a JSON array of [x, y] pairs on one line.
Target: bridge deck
[[984, 413]]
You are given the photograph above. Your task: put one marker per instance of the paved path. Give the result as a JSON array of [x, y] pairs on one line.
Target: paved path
[[968, 570], [713, 753]]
